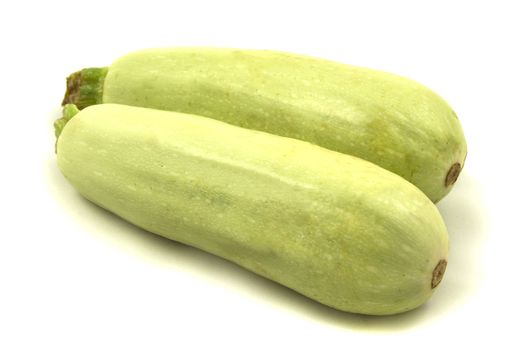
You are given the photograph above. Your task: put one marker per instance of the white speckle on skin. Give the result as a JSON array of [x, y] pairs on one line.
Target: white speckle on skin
[[131, 187], [98, 173], [382, 243], [371, 268]]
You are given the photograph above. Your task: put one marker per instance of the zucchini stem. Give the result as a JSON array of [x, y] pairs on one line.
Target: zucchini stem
[[85, 87], [68, 112]]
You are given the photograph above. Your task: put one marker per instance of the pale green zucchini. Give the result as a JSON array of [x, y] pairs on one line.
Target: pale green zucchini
[[389, 120], [333, 227]]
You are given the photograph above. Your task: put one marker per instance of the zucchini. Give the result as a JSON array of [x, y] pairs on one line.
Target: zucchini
[[336, 228], [389, 120]]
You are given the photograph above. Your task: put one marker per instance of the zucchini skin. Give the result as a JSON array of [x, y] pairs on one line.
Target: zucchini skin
[[384, 118], [333, 227]]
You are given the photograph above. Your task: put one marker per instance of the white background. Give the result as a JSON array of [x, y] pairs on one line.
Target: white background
[[75, 277]]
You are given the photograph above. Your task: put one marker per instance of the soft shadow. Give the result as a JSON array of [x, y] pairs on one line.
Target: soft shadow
[[466, 215], [160, 251]]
